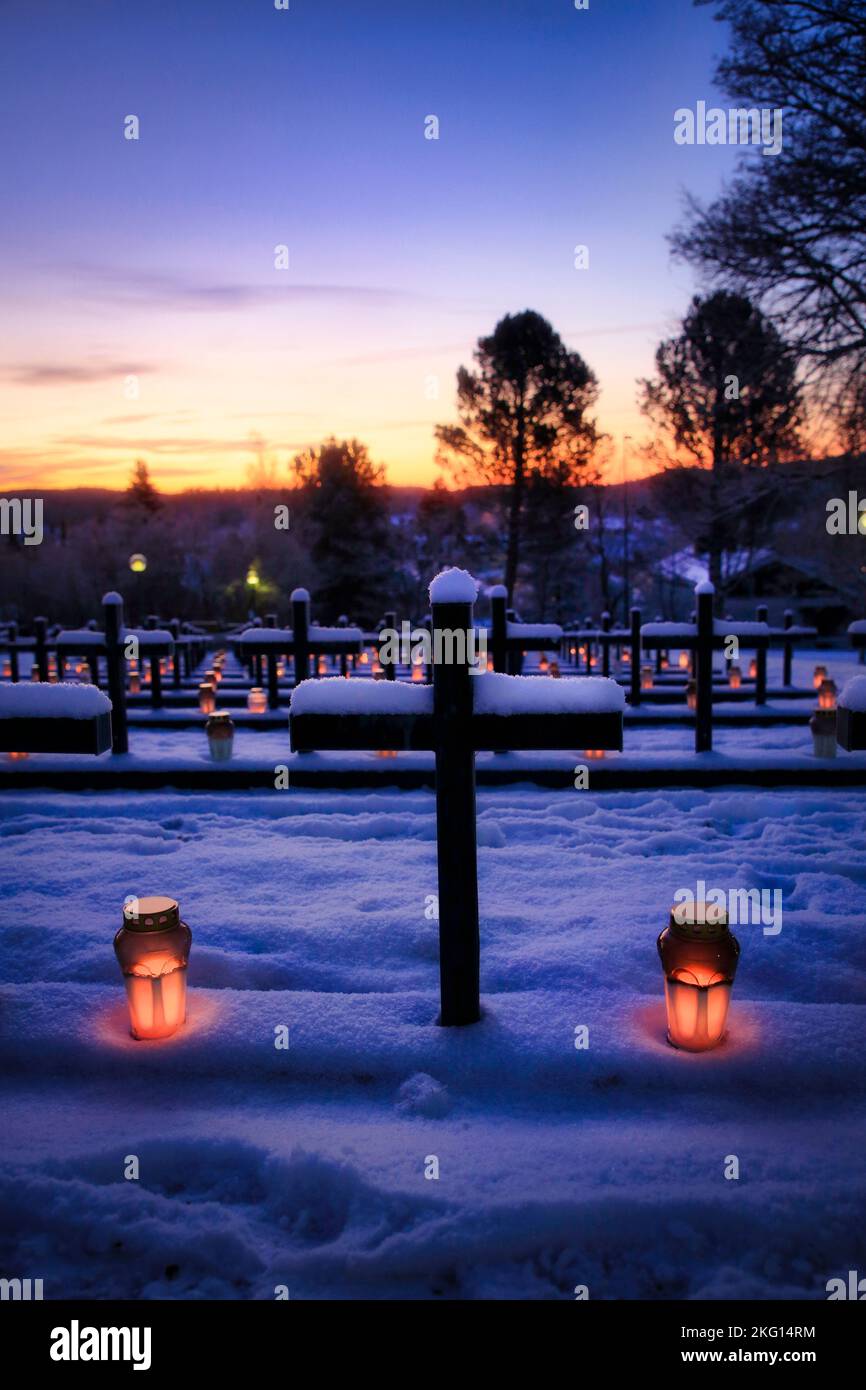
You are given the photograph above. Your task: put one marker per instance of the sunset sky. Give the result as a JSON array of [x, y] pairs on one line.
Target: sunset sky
[[155, 258]]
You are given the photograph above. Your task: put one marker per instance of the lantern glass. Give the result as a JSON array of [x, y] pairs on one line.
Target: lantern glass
[[152, 948], [206, 698], [417, 673], [220, 736], [699, 958], [827, 694], [646, 678], [257, 700], [735, 677], [692, 695], [753, 668], [683, 660], [134, 683], [818, 675]]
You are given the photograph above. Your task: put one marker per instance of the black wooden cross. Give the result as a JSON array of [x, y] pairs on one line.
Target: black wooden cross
[[300, 641], [510, 639], [703, 638], [38, 721], [454, 720]]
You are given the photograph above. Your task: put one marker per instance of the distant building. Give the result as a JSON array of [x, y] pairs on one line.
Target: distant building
[[761, 576]]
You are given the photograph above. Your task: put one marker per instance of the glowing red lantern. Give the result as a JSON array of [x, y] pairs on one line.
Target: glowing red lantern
[[699, 957], [257, 700], [152, 948], [827, 694]]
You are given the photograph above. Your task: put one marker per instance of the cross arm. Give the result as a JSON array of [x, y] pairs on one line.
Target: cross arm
[[54, 719]]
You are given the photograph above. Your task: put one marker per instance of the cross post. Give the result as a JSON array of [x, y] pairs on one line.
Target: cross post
[[115, 665], [466, 711]]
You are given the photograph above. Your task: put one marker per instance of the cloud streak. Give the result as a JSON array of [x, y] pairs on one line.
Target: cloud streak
[[65, 374], [175, 290]]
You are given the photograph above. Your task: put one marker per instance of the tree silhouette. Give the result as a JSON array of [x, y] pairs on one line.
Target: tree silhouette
[[725, 396], [344, 503], [791, 229], [524, 408], [141, 491]]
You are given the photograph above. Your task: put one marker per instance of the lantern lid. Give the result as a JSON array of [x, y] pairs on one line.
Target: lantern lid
[[699, 921], [151, 914]]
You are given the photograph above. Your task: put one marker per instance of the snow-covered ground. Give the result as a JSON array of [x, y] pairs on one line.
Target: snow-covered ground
[[306, 1167]]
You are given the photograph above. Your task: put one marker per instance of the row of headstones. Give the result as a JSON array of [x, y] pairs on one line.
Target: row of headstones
[[188, 649], [454, 730], [605, 637]]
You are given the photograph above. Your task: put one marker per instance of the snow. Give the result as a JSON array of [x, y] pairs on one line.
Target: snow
[[853, 695], [858, 626], [335, 695], [269, 636], [705, 587], [80, 637], [150, 636], [28, 700], [112, 599], [334, 634], [300, 596], [500, 694], [683, 632], [536, 631], [732, 627], [558, 1166], [498, 591], [453, 586]]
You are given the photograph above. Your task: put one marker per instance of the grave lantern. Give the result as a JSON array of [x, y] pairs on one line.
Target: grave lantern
[[646, 678], [34, 672], [417, 673], [664, 663], [555, 672], [152, 948], [735, 677], [220, 736], [134, 683], [827, 694], [322, 668], [818, 675], [364, 659], [257, 700], [692, 694], [543, 663], [699, 957], [753, 668], [206, 698], [626, 658], [593, 752], [823, 727], [683, 661], [212, 675]]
